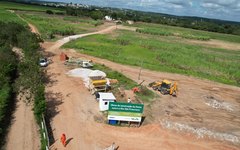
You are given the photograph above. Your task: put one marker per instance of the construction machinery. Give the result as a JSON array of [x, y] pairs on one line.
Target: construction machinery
[[165, 87], [79, 62], [97, 85]]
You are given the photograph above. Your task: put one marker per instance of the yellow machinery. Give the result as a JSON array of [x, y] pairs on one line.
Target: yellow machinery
[[97, 85], [99, 82], [155, 85], [165, 87]]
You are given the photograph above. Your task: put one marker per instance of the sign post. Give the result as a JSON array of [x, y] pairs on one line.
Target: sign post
[[125, 112]]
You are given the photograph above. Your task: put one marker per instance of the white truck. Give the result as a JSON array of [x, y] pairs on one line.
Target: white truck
[[86, 64], [79, 62]]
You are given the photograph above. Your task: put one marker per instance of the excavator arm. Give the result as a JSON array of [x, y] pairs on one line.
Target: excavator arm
[[173, 89]]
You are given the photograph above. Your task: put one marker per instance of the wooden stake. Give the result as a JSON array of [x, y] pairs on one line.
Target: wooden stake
[[140, 70]]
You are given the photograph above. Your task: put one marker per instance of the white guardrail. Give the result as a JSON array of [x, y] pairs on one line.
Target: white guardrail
[[45, 132]]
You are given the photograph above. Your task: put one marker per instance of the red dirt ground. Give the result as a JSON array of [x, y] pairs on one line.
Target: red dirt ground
[[75, 112]]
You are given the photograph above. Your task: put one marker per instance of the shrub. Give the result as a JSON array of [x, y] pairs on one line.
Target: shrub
[[59, 13], [190, 36], [49, 12], [8, 67], [154, 32]]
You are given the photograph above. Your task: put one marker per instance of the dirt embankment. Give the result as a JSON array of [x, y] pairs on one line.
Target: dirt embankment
[[23, 133]]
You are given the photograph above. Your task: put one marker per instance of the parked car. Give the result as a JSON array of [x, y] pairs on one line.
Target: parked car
[[86, 64], [43, 62]]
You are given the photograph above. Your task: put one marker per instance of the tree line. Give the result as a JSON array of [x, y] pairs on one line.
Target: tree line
[[197, 23]]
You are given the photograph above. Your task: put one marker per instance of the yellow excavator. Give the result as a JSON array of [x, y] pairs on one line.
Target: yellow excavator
[[165, 87]]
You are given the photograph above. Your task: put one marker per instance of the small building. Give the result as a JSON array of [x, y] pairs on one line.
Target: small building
[[104, 99], [130, 22], [108, 18]]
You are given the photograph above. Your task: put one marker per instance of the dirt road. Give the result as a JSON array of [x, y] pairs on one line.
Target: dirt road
[[23, 133], [216, 44], [74, 111], [32, 27]]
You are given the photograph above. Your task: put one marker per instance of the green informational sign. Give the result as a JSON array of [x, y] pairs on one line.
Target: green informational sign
[[125, 111]]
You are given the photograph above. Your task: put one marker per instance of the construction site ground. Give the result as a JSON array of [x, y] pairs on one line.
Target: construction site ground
[[74, 111], [23, 133]]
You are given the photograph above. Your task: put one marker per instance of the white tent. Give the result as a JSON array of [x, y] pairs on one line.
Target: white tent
[[104, 99], [108, 18], [81, 73]]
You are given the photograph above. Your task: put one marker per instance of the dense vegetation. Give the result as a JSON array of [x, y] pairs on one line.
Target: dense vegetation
[[186, 22], [8, 67], [14, 32], [28, 7], [163, 54]]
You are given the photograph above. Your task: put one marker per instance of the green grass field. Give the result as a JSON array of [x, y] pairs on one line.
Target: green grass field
[[85, 20], [186, 33], [163, 32], [7, 16], [25, 7], [163, 54], [50, 26]]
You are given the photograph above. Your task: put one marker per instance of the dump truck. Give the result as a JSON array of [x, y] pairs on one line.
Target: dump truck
[[165, 87]]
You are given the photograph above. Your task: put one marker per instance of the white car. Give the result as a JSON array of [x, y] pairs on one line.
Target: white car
[[86, 64], [43, 62]]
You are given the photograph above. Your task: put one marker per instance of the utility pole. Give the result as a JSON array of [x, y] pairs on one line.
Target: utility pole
[[140, 70]]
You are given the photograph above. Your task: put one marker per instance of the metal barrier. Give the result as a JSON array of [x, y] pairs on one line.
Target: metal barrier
[[45, 132]]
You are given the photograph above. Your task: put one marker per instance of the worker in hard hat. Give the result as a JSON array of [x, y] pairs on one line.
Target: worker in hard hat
[[63, 139]]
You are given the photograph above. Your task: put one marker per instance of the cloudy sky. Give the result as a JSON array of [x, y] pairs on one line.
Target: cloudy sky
[[218, 9]]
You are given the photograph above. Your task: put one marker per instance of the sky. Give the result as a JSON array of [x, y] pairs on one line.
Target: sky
[[217, 9]]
